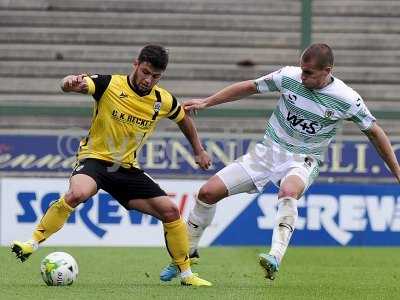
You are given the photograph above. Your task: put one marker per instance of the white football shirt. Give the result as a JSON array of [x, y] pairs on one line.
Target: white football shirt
[[305, 121]]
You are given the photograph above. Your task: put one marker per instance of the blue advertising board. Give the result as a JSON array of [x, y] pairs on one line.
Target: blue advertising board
[[171, 155], [329, 215]]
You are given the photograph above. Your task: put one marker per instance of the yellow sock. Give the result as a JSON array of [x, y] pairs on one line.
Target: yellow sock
[[52, 221], [177, 242]]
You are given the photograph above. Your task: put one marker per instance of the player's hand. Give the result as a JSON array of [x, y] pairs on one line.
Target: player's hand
[[203, 160], [192, 106], [74, 83]]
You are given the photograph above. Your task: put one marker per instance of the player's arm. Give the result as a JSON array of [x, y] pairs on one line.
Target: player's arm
[[382, 144], [75, 83], [230, 93], [94, 85], [186, 125]]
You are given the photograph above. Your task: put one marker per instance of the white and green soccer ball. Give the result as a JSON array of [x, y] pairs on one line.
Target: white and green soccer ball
[[59, 268]]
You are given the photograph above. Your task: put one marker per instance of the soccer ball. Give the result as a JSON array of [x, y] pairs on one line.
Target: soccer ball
[[59, 268]]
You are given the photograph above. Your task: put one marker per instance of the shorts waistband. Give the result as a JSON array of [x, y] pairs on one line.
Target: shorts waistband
[[118, 166]]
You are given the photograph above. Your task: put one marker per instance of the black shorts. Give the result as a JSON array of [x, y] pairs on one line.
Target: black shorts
[[122, 183]]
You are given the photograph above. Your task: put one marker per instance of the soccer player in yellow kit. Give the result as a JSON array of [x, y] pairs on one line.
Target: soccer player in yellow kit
[[126, 111]]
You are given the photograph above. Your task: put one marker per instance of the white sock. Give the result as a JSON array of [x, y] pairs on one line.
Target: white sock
[[200, 217], [284, 226], [187, 273]]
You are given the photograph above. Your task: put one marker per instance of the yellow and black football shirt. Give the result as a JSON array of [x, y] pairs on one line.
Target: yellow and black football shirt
[[123, 120]]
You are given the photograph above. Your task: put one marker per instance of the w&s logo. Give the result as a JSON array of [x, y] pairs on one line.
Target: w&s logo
[[303, 125]]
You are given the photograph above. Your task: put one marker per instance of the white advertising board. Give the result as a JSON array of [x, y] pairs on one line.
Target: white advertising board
[[100, 221]]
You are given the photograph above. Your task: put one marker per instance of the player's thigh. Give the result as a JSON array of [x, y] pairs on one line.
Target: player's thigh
[[85, 181], [135, 189], [235, 180], [162, 208], [298, 179]]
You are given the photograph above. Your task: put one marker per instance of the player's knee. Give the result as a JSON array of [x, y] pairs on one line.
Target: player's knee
[[74, 197], [170, 214], [207, 195], [287, 192]]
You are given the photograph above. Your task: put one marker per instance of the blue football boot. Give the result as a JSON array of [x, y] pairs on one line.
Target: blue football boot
[[269, 264], [171, 271]]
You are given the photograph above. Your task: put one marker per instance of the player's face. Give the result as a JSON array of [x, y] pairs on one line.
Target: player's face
[[145, 76], [313, 77]]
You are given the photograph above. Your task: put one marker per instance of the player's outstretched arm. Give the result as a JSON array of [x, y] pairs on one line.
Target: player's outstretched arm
[[75, 83], [382, 144], [233, 92], [186, 125]]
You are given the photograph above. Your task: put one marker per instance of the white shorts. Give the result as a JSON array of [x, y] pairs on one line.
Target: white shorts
[[265, 163]]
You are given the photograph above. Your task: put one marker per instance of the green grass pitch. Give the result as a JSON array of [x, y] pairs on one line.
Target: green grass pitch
[[132, 273]]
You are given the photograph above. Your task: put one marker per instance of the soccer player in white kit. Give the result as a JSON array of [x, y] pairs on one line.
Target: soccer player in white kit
[[311, 107]]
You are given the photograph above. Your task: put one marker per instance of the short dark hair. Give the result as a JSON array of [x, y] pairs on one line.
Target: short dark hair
[[156, 55], [321, 53]]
